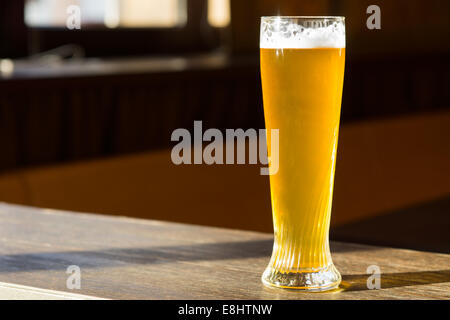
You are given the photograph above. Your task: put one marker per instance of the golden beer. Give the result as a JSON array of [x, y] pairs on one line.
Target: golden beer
[[302, 92]]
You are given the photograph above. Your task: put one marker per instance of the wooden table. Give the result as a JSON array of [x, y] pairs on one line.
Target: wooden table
[[123, 258]]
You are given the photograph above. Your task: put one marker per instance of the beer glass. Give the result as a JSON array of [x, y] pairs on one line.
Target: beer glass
[[302, 73]]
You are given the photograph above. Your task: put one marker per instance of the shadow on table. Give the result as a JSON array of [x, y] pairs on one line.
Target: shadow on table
[[394, 280], [421, 227], [110, 257]]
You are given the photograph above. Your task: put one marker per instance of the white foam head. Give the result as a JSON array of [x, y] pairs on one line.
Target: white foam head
[[302, 32]]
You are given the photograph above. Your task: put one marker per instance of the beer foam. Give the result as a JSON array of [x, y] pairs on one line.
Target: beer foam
[[281, 33]]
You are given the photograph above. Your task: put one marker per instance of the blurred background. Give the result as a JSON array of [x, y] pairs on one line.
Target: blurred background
[[86, 115]]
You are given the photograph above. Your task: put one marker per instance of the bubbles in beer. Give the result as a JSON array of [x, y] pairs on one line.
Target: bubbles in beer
[[279, 32]]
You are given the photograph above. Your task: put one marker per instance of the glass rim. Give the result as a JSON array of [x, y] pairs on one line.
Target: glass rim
[[342, 18]]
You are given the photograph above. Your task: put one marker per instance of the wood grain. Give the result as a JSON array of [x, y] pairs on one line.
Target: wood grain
[[123, 258]]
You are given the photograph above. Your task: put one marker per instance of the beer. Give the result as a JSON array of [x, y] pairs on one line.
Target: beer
[[302, 90]]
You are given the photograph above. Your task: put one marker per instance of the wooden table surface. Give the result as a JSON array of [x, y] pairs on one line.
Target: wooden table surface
[[123, 258]]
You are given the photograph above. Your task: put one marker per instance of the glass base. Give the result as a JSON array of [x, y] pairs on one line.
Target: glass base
[[321, 280]]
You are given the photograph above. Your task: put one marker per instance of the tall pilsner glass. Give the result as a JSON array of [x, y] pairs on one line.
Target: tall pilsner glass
[[302, 71]]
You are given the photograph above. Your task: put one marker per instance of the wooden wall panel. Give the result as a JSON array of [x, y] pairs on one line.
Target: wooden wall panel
[[382, 166], [408, 26]]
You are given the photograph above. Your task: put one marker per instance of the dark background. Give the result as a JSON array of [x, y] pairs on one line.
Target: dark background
[[92, 133]]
